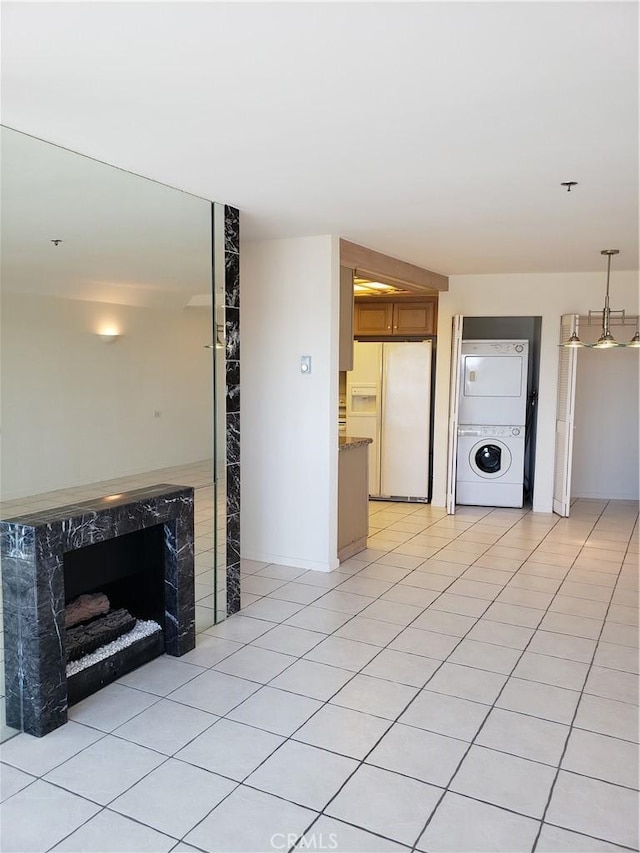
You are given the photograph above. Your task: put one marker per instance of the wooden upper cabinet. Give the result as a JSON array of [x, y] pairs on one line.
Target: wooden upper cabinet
[[376, 318], [414, 318], [373, 318]]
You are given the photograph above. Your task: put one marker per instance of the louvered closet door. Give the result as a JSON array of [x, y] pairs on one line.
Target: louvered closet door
[[568, 360], [454, 403]]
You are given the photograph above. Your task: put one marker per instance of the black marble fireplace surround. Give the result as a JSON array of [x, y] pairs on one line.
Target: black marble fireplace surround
[[43, 553]]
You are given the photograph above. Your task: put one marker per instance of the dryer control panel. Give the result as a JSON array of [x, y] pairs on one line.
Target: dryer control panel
[[497, 348], [491, 431]]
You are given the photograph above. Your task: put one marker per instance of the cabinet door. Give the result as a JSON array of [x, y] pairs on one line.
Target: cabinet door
[[373, 319], [413, 318]]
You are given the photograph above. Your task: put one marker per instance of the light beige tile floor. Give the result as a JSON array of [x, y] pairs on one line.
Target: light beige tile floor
[[469, 686]]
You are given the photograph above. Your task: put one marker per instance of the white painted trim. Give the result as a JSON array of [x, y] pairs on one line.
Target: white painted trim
[[454, 403], [283, 560], [565, 410]]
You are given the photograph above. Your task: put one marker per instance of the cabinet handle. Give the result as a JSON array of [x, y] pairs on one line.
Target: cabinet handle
[[388, 327]]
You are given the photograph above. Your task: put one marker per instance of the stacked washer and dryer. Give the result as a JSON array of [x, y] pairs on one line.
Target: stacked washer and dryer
[[491, 417]]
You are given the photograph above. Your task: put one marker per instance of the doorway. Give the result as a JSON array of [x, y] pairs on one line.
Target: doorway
[[605, 442], [488, 329]]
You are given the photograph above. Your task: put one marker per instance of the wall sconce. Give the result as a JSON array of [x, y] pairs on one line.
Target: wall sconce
[[108, 336], [219, 344]]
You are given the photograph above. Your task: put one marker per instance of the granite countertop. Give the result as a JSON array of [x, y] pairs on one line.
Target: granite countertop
[[346, 442]]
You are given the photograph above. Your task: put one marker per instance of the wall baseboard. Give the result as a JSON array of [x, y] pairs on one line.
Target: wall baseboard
[[280, 560], [608, 497]]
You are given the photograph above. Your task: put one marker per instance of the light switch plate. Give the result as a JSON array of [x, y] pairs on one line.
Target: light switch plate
[[305, 364]]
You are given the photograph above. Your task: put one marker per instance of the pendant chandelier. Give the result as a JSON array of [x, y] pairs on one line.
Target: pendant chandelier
[[606, 339]]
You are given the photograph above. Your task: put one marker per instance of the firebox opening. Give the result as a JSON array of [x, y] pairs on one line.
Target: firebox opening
[[127, 629], [128, 569]]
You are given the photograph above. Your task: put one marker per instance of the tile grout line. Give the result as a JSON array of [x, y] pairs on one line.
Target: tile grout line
[[273, 625], [356, 673], [111, 811], [575, 713], [362, 762], [326, 702], [493, 706]]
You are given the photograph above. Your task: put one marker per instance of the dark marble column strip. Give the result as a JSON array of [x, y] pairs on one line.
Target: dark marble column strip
[[232, 337]]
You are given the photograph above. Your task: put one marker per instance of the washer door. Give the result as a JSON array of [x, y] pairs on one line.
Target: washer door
[[490, 459]]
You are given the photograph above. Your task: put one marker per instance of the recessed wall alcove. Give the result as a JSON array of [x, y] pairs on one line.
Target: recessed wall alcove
[[136, 548]]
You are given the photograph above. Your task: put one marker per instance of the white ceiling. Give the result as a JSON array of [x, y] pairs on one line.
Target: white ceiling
[[436, 132]]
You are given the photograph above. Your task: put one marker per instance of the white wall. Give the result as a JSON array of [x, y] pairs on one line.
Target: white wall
[[548, 296], [289, 429], [605, 441], [76, 410]]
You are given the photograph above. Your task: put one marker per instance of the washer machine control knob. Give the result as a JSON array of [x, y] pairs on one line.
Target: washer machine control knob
[[519, 348], [515, 431]]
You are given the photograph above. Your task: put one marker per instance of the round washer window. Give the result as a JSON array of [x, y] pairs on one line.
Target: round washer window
[[490, 459]]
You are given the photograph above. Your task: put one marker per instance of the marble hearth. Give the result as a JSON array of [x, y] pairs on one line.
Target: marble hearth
[[47, 558]]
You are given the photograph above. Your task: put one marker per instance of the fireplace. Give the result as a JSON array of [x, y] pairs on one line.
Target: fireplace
[[134, 551]]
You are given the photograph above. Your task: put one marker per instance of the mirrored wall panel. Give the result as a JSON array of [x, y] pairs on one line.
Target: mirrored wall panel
[[112, 345]]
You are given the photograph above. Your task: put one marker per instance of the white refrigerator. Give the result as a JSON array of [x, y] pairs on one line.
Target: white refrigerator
[[389, 401]]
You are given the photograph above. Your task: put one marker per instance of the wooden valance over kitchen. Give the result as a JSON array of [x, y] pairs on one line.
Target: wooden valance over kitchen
[[367, 263]]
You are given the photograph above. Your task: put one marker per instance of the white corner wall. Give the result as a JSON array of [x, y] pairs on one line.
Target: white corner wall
[[77, 411], [545, 295], [289, 428]]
